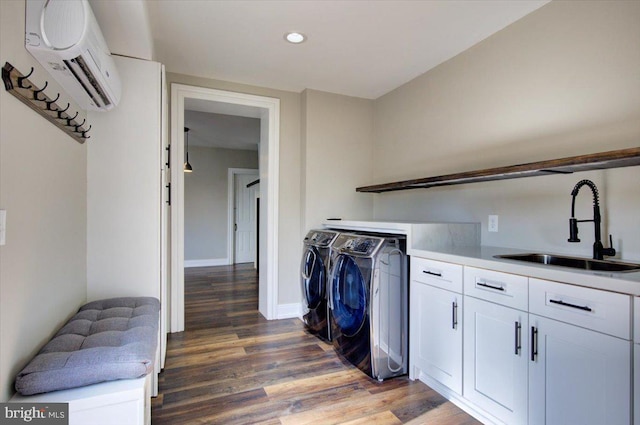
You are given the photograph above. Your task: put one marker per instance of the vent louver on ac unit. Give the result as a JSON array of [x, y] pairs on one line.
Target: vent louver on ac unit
[[88, 81]]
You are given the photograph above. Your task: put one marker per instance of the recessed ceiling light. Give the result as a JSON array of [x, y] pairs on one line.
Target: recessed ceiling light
[[295, 37]]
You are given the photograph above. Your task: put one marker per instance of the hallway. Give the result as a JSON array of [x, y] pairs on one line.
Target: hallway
[[232, 366]]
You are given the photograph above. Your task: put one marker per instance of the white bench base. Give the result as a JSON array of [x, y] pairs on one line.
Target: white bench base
[[123, 402]]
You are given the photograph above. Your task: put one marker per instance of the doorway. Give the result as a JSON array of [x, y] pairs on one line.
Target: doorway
[[268, 111]]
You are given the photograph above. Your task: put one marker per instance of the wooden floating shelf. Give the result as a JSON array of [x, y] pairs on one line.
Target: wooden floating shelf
[[598, 161]]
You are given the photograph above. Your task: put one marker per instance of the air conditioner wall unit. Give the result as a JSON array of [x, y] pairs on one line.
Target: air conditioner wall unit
[[65, 38]]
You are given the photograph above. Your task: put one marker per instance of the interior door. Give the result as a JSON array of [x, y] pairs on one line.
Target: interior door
[[245, 218]]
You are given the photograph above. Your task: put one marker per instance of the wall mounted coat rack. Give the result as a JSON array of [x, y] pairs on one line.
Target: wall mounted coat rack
[[21, 87]]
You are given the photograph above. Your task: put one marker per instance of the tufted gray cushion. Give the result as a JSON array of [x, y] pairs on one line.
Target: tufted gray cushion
[[106, 340]]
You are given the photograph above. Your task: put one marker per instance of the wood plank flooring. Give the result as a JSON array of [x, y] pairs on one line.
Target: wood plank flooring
[[232, 366]]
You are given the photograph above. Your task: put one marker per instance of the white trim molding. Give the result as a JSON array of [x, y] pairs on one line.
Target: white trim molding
[[210, 262], [288, 311], [269, 111]]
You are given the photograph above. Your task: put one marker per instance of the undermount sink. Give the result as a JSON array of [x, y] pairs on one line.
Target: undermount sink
[[573, 262]]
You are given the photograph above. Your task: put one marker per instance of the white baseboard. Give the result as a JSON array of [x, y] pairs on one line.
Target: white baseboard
[[288, 311], [207, 262]]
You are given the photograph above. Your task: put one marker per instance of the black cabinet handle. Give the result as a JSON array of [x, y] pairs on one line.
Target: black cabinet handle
[[432, 273], [534, 343], [518, 338], [486, 285], [454, 315], [168, 201], [579, 307]]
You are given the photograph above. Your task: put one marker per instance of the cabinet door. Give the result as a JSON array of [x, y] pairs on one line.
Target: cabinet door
[[577, 376], [436, 335], [495, 359], [636, 361]]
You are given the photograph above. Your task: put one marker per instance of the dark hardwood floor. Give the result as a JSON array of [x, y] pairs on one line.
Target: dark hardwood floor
[[232, 366]]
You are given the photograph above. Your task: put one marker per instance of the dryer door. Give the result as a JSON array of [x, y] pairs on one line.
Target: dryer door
[[349, 296], [313, 277]]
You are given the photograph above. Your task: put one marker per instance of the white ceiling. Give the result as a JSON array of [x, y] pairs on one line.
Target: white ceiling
[[209, 129], [356, 48]]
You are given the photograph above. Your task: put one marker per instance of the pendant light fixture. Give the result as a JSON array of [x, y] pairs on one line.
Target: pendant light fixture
[[187, 166]]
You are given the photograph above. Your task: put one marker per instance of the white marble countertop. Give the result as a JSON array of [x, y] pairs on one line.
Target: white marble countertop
[[483, 257]]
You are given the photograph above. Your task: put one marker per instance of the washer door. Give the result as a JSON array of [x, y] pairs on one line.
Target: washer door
[[313, 277], [349, 296]]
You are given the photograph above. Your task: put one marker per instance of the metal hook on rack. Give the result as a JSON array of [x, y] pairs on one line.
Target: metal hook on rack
[[21, 79], [27, 92], [71, 119], [80, 125], [60, 111], [84, 133], [35, 92], [49, 103]]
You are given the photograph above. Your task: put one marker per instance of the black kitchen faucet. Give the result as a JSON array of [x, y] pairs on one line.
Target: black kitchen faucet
[[599, 251]]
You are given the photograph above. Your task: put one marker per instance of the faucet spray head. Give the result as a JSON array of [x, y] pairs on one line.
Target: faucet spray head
[[573, 222]]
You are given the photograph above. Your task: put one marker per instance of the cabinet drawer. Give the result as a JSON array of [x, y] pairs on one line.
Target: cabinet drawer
[[437, 273], [601, 311], [501, 288]]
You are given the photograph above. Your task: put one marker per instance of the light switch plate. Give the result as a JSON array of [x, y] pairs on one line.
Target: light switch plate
[[493, 223], [3, 226]]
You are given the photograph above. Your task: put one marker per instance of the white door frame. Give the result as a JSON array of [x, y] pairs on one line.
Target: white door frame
[[164, 222], [232, 173], [269, 153]]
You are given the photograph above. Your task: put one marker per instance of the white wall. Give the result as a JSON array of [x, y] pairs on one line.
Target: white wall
[[43, 188], [206, 197], [124, 162], [337, 157], [562, 81]]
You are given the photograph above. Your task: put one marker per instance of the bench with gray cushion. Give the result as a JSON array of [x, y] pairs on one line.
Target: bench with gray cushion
[[106, 340]]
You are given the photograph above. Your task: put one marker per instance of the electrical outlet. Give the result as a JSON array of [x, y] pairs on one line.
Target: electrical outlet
[[3, 226], [493, 223]]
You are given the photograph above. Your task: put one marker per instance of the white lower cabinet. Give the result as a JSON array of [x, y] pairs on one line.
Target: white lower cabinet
[[437, 331], [495, 359], [636, 360], [636, 384], [580, 368], [526, 350], [577, 376], [436, 322], [496, 343]]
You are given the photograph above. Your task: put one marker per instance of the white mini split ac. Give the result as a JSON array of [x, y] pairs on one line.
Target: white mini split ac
[[65, 38]]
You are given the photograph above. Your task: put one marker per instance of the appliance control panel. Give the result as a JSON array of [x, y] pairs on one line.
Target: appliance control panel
[[361, 245], [320, 238]]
